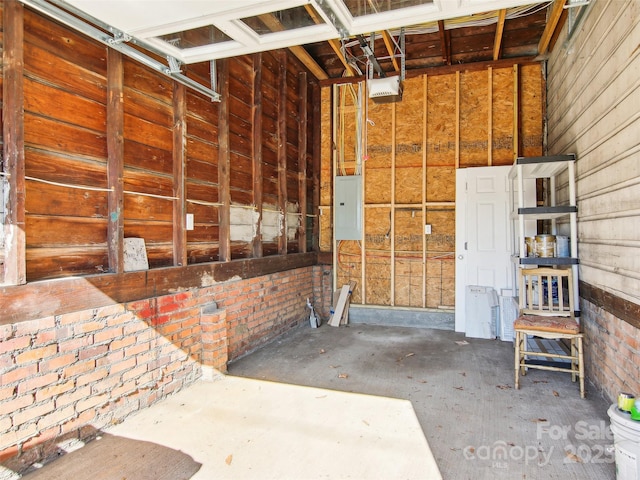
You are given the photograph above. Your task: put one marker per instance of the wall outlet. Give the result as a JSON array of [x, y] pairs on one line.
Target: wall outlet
[[427, 229], [189, 223]]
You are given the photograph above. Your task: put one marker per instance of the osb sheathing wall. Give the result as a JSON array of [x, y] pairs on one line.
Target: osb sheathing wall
[[413, 147]]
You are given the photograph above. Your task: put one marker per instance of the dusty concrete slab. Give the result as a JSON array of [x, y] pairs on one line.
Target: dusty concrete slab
[[239, 428], [477, 425]]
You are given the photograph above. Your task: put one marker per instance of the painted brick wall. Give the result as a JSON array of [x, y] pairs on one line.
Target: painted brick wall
[[66, 377], [611, 351]]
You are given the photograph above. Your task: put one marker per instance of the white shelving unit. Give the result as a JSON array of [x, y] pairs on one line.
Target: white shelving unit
[[544, 167]]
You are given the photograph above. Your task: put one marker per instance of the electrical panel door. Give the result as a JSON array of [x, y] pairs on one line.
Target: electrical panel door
[[348, 207]]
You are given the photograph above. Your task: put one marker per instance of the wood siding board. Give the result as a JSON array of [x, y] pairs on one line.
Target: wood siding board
[[158, 136], [66, 169], [55, 200], [115, 164], [51, 102], [13, 135], [48, 134], [591, 112], [63, 43]]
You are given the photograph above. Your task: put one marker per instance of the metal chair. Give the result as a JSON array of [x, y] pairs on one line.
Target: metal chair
[[547, 311]]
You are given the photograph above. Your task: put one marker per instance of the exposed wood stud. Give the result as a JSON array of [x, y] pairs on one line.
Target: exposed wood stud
[[445, 43], [13, 144], [316, 152], [179, 169], [115, 161], [282, 150], [224, 163], [393, 203], [256, 125], [555, 12], [497, 42], [425, 91], [516, 112], [457, 119], [490, 116], [302, 161]]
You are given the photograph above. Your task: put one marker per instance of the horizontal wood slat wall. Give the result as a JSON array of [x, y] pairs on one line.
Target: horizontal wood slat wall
[[114, 150]]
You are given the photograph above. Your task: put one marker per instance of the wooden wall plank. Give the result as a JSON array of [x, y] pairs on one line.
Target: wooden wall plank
[[257, 142], [115, 166], [42, 299], [302, 161], [224, 160], [13, 145], [282, 152], [179, 174]]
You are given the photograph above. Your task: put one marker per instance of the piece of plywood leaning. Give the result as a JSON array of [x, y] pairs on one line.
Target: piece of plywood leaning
[[340, 315]]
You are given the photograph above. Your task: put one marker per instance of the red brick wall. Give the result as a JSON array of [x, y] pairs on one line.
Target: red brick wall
[[611, 351], [68, 376]]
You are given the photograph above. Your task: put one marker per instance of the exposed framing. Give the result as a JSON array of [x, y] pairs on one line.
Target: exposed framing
[[13, 145]]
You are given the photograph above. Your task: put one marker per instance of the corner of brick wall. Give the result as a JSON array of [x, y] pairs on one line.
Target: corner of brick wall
[[66, 377], [611, 349]]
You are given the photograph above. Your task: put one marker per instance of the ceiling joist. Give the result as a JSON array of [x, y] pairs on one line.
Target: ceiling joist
[[497, 44]]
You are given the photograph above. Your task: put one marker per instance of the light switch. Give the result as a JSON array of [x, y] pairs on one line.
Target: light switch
[[189, 222]]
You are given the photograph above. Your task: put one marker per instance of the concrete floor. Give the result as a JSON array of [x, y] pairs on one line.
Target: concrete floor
[[477, 425], [359, 402]]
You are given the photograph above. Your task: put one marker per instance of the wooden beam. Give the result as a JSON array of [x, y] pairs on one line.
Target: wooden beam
[[13, 145], [446, 69], [282, 151], [302, 160], [317, 152], [298, 51], [445, 42], [497, 41], [556, 9], [115, 160], [224, 164], [308, 61], [391, 48], [335, 45], [256, 125], [179, 169], [71, 294]]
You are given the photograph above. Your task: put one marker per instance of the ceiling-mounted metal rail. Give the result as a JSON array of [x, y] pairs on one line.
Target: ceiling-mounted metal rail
[[118, 41]]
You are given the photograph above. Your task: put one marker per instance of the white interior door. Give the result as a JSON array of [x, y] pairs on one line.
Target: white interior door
[[483, 255]]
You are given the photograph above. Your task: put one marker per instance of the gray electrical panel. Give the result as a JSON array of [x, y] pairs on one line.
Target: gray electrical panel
[[348, 207]]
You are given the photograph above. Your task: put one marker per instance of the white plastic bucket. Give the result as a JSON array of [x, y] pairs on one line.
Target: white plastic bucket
[[626, 441]]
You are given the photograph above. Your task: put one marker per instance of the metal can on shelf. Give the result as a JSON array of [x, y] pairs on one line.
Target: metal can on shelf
[[530, 243], [545, 246]]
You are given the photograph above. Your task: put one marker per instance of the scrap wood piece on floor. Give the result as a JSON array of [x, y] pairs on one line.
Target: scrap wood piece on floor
[[342, 302], [344, 320]]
